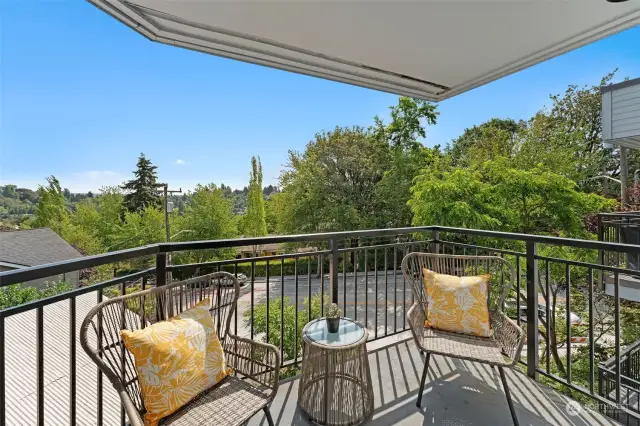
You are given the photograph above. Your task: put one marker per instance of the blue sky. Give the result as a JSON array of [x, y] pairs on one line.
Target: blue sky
[[82, 95]]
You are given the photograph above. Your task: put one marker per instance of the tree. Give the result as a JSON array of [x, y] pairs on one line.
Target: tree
[[575, 114], [407, 156], [331, 186], [254, 221], [408, 120], [455, 197], [208, 216], [141, 228], [97, 222], [142, 192], [497, 196], [494, 137], [9, 191], [51, 211]]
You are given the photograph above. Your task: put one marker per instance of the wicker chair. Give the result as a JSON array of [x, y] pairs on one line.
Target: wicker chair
[[501, 350], [231, 402]]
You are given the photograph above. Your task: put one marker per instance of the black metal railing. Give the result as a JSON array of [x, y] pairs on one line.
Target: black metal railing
[[629, 377], [359, 270], [621, 227]]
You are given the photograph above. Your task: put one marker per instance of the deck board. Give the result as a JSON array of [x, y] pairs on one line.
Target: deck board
[[457, 393]]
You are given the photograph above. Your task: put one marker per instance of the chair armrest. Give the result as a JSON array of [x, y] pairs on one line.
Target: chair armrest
[[416, 317], [130, 409], [508, 335], [255, 360]]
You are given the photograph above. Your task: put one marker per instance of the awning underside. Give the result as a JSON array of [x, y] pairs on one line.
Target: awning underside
[[428, 49]]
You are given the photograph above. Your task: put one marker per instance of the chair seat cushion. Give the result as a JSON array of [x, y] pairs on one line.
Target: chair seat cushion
[[482, 349], [230, 403]]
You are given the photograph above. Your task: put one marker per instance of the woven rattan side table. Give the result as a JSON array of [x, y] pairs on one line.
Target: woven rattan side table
[[335, 384]]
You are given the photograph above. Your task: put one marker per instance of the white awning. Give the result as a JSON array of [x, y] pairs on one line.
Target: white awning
[[432, 49]]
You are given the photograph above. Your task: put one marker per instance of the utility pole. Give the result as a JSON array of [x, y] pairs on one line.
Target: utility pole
[[166, 191]]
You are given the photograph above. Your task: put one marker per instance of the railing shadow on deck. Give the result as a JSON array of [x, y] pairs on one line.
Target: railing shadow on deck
[[457, 393]]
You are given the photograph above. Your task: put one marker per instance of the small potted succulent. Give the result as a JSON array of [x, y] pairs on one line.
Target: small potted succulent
[[333, 315]]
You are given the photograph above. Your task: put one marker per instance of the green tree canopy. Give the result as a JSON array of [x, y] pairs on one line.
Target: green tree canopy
[[499, 196], [331, 186], [254, 221], [208, 216], [407, 156], [51, 211], [142, 192], [479, 143]]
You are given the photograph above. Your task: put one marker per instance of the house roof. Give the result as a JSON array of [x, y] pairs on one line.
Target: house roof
[[428, 49], [263, 247], [32, 247], [274, 247]]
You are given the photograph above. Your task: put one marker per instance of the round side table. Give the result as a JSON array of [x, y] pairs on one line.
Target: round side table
[[335, 382]]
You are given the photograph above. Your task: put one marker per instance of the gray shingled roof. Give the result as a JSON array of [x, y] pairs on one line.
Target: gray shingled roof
[[31, 247]]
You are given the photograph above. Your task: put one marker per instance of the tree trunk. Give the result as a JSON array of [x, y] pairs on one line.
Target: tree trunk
[[553, 341]]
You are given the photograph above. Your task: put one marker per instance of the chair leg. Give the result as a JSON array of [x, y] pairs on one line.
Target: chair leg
[[508, 395], [267, 414], [424, 377]]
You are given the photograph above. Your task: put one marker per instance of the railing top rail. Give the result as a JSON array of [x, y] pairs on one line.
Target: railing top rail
[[616, 214], [13, 310], [611, 362], [52, 269], [544, 239], [621, 222]]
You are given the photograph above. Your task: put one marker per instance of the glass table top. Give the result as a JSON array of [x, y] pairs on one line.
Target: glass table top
[[349, 332]]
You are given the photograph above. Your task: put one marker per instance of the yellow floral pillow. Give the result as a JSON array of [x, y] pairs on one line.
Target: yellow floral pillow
[[176, 360], [458, 304]]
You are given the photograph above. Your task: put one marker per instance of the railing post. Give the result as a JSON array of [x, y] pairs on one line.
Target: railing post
[[601, 255], [161, 269], [435, 246], [533, 353], [333, 270], [3, 394]]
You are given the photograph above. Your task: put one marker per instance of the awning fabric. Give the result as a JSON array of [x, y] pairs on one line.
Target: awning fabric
[[432, 49]]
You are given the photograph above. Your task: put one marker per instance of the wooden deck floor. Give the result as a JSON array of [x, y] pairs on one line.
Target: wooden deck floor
[[457, 393]]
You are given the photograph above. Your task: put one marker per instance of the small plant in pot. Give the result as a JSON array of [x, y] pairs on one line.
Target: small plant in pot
[[333, 318]]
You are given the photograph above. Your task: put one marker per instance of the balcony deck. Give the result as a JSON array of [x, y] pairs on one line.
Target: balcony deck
[[457, 393]]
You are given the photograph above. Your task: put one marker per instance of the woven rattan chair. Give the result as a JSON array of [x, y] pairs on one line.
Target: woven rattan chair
[[501, 350], [234, 400]]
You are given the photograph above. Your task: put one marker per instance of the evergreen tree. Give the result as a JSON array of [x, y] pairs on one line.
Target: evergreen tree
[[255, 223], [141, 192]]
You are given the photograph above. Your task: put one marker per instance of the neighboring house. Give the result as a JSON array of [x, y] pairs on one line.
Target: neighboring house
[[261, 250], [33, 247]]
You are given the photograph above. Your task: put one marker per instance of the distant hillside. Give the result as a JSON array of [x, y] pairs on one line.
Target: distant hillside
[[239, 197], [19, 203]]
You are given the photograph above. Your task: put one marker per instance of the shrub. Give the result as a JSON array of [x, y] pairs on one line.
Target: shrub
[[18, 294], [283, 311]]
